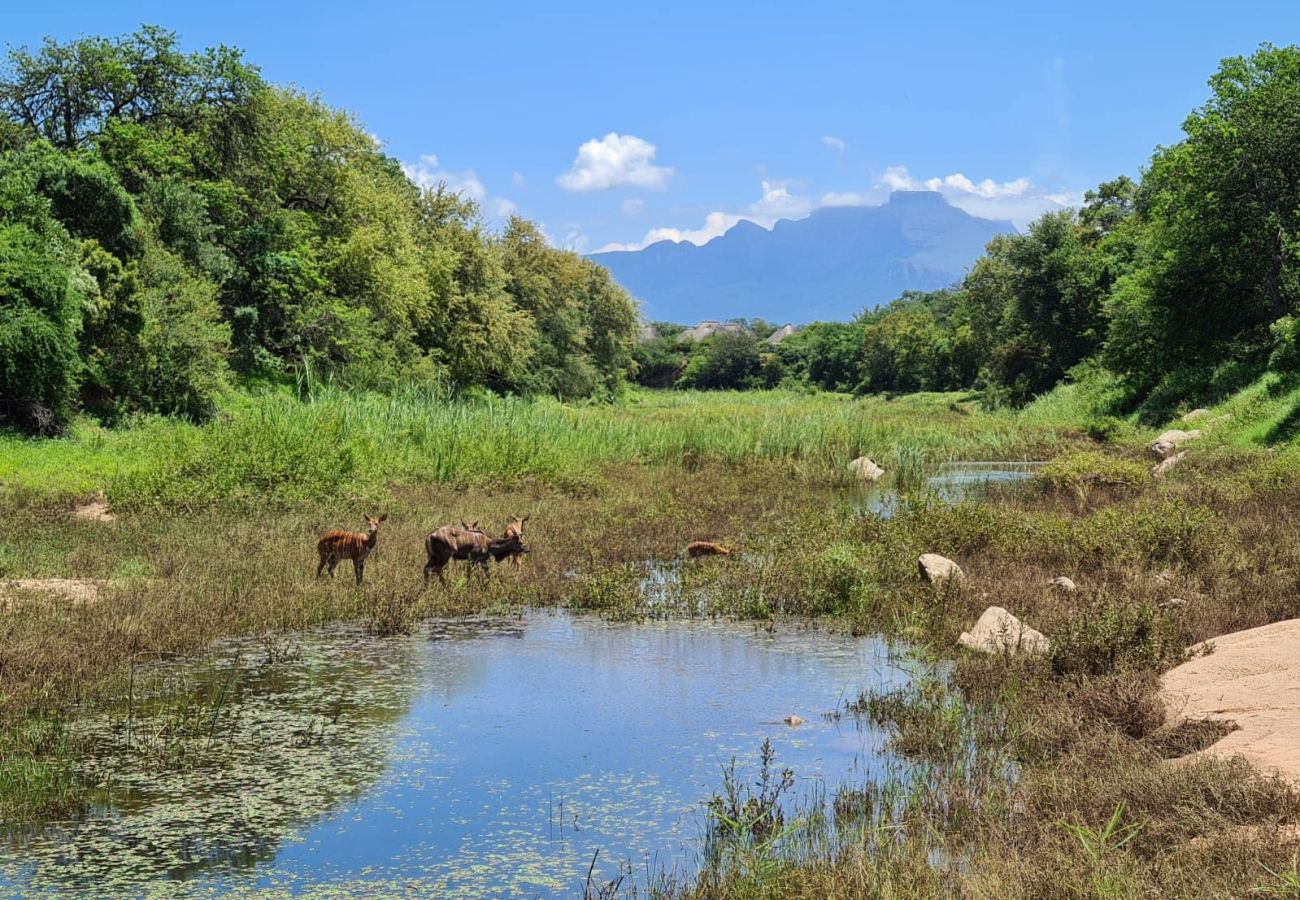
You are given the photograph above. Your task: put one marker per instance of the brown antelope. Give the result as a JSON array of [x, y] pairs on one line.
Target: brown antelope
[[337, 545], [696, 549], [511, 547], [515, 529], [466, 541]]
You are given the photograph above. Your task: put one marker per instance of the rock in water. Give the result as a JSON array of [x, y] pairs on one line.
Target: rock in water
[[998, 631], [935, 568], [866, 468], [1062, 583], [793, 720]]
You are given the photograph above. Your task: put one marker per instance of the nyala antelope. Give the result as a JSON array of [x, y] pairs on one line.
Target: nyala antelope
[[468, 542], [337, 545], [696, 549], [515, 529]]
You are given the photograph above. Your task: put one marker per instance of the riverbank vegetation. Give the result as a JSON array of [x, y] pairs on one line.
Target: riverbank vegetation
[[171, 223], [215, 230], [1019, 763], [1175, 288]]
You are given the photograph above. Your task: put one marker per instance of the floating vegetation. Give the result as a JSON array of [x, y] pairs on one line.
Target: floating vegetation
[[544, 755]]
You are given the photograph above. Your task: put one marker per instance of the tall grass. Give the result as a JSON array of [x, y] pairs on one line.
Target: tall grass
[[276, 447]]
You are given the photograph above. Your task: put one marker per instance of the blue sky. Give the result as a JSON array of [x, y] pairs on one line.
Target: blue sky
[[611, 124]]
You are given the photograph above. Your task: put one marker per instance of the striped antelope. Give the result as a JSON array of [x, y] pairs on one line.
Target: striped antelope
[[338, 545]]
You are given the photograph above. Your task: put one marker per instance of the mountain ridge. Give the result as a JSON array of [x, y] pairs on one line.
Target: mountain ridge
[[830, 264]]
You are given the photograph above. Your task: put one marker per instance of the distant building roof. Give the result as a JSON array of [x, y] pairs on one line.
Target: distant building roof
[[708, 328], [781, 334], [646, 333]]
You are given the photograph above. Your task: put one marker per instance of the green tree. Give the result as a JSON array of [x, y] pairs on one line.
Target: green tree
[[726, 361]]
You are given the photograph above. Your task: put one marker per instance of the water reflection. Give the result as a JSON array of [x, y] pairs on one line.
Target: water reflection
[[479, 757], [952, 483]]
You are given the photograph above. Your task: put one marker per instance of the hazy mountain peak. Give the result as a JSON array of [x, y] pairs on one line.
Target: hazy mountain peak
[[829, 265]]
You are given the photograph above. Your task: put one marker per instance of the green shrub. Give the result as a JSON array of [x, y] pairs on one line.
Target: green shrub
[[1116, 635]]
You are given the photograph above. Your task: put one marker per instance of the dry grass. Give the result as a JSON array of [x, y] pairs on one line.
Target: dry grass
[[1081, 730]]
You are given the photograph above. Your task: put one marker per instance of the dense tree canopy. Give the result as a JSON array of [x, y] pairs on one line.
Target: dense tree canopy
[[170, 222]]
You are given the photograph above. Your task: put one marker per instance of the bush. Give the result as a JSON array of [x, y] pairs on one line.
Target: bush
[[1116, 635]]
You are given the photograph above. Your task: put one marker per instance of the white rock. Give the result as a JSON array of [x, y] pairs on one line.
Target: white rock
[[998, 631], [1167, 463], [1195, 414], [1159, 450], [1174, 603], [793, 720], [866, 468], [935, 568], [1064, 583]]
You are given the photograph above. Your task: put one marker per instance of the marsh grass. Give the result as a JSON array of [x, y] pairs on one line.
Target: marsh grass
[[277, 448], [218, 525]]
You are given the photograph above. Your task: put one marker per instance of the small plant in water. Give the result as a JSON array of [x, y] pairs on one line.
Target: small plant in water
[[747, 824]]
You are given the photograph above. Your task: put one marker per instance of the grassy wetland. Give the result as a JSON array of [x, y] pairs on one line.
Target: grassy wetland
[[1026, 776]]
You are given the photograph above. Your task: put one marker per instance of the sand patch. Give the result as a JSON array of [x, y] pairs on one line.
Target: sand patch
[[94, 511], [1251, 678], [74, 590]]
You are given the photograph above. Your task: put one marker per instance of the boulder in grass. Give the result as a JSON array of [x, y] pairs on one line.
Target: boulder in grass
[[1195, 414], [1167, 463], [866, 468], [935, 568], [998, 631], [1161, 450], [1064, 584], [1176, 437]]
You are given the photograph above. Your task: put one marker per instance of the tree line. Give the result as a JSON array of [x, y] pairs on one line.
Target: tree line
[[1180, 285], [171, 223]]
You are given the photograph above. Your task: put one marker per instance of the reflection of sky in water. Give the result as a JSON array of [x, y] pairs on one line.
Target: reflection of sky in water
[[954, 482], [510, 753]]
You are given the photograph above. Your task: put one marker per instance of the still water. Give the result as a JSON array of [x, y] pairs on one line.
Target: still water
[[953, 482], [473, 758]]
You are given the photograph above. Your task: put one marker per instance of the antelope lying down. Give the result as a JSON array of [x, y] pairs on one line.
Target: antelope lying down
[[696, 549]]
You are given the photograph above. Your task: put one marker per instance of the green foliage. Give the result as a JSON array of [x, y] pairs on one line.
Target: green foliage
[[1116, 635], [727, 361], [182, 216], [40, 309]]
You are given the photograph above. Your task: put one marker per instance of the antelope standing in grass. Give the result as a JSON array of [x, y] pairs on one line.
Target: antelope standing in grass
[[466, 541], [515, 529], [510, 547], [696, 549], [338, 545]]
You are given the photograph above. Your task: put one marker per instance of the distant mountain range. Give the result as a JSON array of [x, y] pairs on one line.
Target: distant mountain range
[[828, 266]]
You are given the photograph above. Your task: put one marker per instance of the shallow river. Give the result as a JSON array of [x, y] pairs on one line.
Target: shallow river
[[480, 758]]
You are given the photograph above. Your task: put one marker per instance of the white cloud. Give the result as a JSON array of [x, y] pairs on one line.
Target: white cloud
[[776, 202], [633, 206], [518, 180], [615, 161], [836, 144], [503, 208], [428, 173], [1019, 200]]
